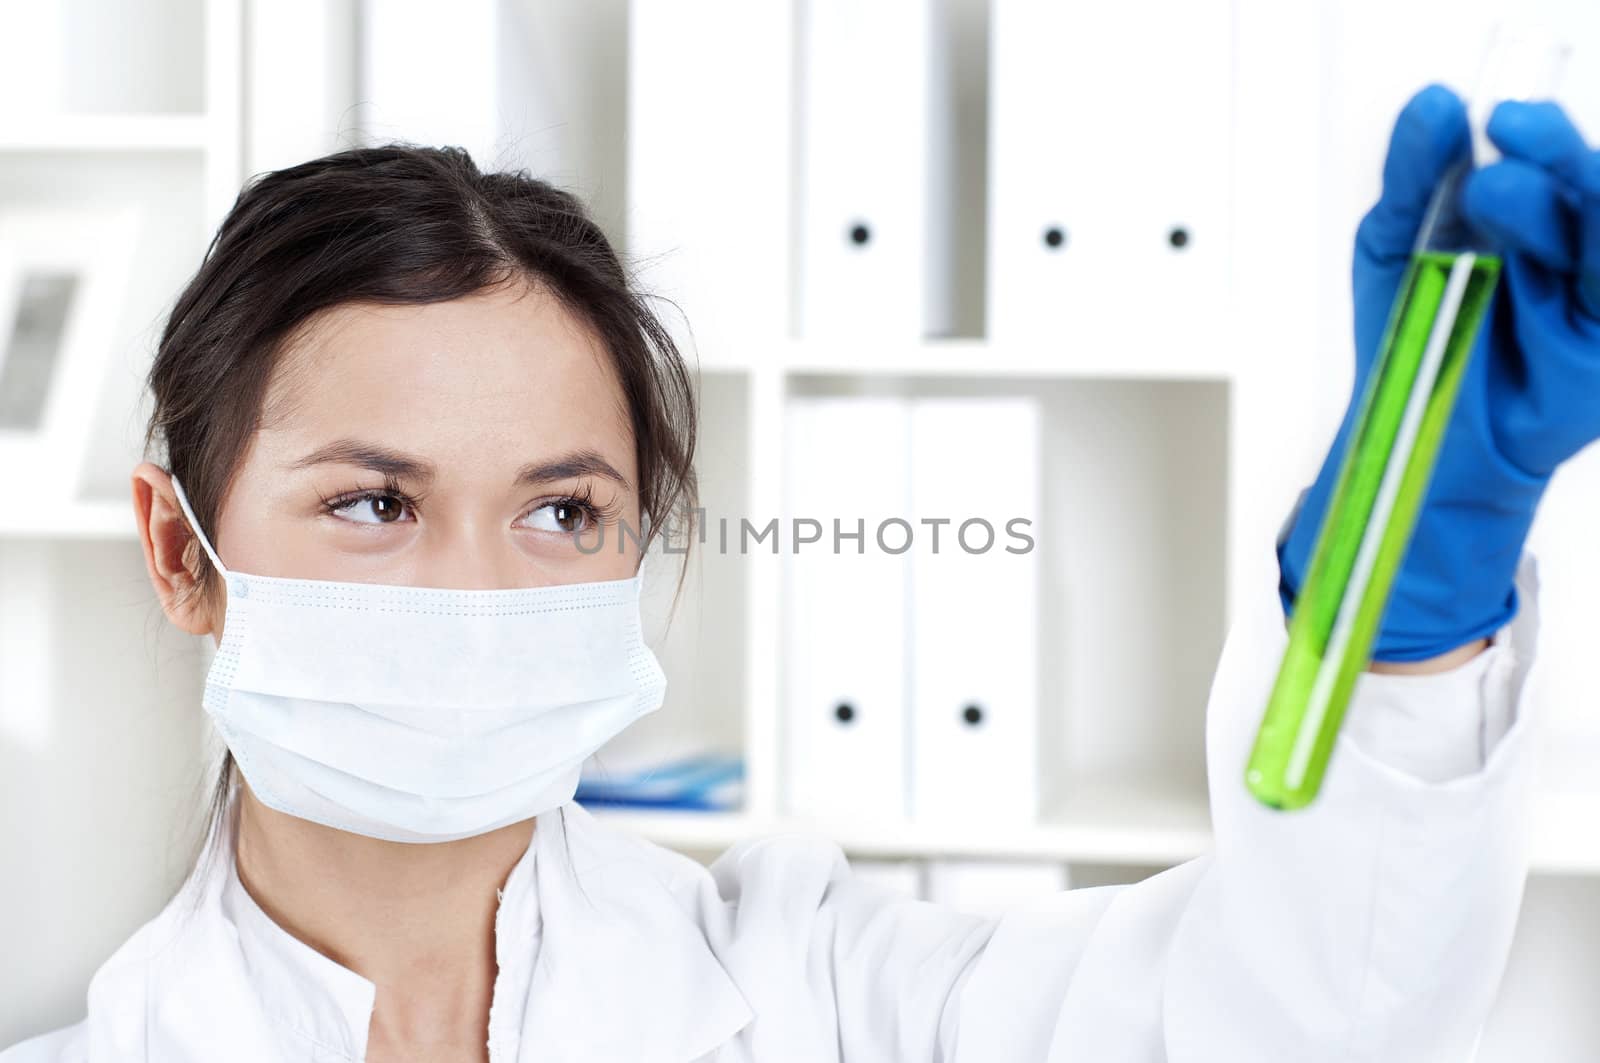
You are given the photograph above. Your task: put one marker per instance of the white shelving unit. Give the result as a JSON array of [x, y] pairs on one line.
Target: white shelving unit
[[1272, 377], [1106, 825], [1314, 88], [137, 119], [101, 740]]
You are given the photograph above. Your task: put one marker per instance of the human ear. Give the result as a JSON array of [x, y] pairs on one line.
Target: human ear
[[165, 535]]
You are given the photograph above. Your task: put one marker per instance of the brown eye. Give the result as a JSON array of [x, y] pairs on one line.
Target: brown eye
[[371, 509], [566, 517], [387, 508], [569, 518]]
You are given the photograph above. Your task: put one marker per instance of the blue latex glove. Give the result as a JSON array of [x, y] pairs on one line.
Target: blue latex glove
[[1530, 398]]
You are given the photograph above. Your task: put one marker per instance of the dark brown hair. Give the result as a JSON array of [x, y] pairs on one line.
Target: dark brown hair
[[397, 224]]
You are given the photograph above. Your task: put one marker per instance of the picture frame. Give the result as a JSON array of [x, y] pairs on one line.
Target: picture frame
[[64, 273]]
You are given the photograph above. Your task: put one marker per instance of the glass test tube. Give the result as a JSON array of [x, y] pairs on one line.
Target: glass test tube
[[1405, 408]]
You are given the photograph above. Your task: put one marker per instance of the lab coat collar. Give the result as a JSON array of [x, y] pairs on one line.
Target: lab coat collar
[[625, 971], [301, 991], [600, 958]]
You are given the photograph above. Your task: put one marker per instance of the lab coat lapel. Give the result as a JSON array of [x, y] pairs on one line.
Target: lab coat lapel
[[624, 970]]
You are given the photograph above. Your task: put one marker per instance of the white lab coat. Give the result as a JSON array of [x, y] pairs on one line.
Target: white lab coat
[[1372, 926]]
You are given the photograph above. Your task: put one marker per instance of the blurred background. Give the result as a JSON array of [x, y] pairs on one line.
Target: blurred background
[[1095, 253]]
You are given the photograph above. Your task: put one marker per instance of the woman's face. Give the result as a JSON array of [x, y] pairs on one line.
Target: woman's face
[[457, 444]]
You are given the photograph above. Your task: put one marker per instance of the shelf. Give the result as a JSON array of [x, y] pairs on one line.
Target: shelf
[[76, 520], [1106, 825], [111, 132], [963, 357]]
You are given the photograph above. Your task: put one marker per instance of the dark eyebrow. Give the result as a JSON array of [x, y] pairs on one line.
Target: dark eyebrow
[[405, 467], [567, 466], [368, 456]]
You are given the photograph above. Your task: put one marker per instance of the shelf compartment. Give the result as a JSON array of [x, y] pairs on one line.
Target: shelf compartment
[[698, 628], [103, 57], [1133, 566]]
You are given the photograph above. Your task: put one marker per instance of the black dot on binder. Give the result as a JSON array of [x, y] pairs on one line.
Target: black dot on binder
[[973, 715], [860, 234], [1178, 237], [1054, 237], [844, 712]]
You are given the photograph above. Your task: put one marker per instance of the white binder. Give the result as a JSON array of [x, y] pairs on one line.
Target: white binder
[[710, 165], [991, 888], [1108, 186], [875, 206], [844, 621], [430, 73], [974, 607]]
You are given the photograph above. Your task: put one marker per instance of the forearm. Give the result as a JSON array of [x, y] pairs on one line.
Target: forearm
[[1443, 663]]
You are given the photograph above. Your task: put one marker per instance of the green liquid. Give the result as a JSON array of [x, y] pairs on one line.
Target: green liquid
[[1272, 775]]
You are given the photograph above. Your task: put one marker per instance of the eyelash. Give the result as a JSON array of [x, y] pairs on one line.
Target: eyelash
[[390, 489], [582, 499]]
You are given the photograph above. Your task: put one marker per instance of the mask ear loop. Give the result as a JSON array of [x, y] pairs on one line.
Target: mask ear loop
[[194, 526]]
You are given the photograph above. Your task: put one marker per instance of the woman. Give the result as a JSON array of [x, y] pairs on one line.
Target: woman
[[399, 398]]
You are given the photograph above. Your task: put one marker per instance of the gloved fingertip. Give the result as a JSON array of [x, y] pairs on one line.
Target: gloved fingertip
[[1536, 130], [1510, 117], [1438, 97], [1431, 133], [1437, 115]]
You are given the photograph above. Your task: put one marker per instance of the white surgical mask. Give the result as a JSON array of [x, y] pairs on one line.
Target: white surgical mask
[[419, 714]]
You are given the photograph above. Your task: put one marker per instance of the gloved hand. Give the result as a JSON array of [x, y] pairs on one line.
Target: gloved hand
[[1530, 398]]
